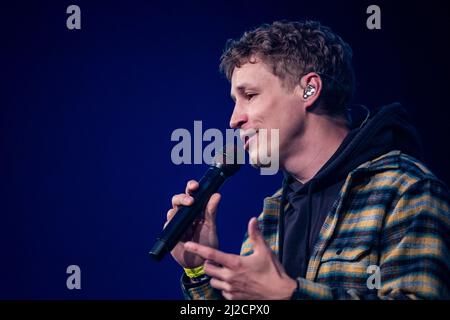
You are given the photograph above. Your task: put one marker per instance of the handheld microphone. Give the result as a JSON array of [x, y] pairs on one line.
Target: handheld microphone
[[224, 166]]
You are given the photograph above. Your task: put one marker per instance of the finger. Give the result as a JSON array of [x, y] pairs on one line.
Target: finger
[[191, 186], [232, 295], [211, 207], [215, 271], [227, 295], [255, 235], [220, 285], [170, 214], [231, 261], [181, 200]]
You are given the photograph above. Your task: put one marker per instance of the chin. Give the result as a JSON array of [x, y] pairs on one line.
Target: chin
[[253, 157], [259, 160]]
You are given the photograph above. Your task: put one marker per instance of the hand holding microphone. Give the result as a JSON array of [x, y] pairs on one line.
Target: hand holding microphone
[[202, 230], [192, 217]]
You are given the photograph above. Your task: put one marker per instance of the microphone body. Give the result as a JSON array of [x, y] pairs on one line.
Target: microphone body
[[210, 183]]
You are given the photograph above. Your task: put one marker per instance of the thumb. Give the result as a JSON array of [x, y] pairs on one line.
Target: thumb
[[255, 235], [211, 207]]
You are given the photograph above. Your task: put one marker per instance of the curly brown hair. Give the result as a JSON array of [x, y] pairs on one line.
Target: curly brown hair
[[293, 49]]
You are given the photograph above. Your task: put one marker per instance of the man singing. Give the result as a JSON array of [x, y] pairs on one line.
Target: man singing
[[355, 200]]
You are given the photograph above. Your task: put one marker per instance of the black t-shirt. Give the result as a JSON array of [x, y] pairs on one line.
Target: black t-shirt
[[297, 249], [295, 257]]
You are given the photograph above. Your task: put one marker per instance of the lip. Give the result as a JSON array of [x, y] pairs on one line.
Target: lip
[[246, 138]]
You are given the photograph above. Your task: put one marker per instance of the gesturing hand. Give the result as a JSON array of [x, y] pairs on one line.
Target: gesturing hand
[[257, 276]]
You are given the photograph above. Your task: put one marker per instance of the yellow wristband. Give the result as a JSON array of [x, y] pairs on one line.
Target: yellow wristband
[[194, 272]]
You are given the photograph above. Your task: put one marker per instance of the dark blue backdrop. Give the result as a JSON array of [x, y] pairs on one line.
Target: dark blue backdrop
[[86, 118]]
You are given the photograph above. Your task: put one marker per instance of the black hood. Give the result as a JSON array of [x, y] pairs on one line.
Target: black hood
[[372, 134]]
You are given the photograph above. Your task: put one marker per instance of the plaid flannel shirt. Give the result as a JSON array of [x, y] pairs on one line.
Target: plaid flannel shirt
[[392, 217]]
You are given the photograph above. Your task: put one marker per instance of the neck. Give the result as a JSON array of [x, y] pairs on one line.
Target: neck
[[321, 137]]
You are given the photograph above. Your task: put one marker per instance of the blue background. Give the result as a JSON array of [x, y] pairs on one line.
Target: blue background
[[86, 117]]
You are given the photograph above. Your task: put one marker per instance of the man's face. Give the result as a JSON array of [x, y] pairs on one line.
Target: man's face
[[262, 102]]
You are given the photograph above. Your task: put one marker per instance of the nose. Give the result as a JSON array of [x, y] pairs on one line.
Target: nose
[[238, 118]]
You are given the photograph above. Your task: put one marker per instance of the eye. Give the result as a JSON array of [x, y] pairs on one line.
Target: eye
[[249, 96]]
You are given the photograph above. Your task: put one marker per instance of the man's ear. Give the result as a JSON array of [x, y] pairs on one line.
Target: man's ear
[[311, 84]]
